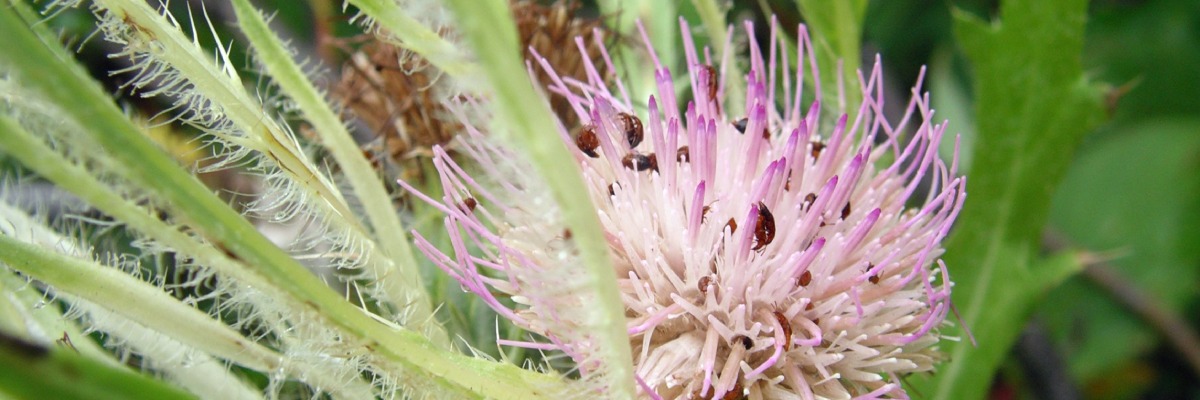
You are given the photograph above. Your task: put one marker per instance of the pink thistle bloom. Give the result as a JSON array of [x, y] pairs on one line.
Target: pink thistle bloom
[[776, 254]]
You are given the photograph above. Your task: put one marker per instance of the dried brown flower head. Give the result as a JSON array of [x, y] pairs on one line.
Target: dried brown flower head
[[392, 93]]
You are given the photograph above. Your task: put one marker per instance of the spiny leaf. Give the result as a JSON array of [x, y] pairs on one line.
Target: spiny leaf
[[1033, 108]]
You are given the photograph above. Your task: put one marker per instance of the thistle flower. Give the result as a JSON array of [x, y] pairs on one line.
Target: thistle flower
[[771, 254]]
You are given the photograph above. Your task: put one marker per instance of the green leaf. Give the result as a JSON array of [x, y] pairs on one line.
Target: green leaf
[[33, 371], [1132, 195], [1033, 106]]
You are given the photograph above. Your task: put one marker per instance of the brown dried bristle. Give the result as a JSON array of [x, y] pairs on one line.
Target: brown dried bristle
[[389, 90]]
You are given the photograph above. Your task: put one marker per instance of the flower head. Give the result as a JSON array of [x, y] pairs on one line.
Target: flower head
[[775, 252]]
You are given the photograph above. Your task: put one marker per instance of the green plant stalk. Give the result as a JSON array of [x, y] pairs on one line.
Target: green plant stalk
[[47, 163], [414, 36], [182, 364], [223, 87], [23, 318], [712, 16], [127, 322], [34, 371], [21, 145], [134, 299], [43, 68], [400, 276], [837, 28], [489, 27]]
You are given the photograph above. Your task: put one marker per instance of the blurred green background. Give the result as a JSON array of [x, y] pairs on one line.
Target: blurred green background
[[1125, 328]]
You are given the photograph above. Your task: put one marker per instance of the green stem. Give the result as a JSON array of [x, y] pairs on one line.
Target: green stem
[[414, 36], [136, 300], [400, 278], [21, 145], [43, 69], [490, 28], [154, 36], [33, 371]]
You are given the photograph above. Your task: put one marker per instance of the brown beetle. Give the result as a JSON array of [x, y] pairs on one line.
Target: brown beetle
[[637, 162], [469, 204], [740, 125], [764, 227], [817, 147], [633, 129], [744, 341], [587, 141], [804, 279], [787, 329], [710, 81], [683, 154]]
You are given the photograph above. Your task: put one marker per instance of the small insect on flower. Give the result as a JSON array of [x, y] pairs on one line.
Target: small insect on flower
[[764, 227], [634, 133], [779, 309], [587, 141]]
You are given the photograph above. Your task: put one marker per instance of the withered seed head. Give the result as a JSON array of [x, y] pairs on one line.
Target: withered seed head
[[392, 93]]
